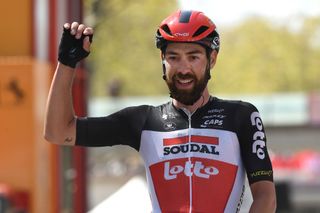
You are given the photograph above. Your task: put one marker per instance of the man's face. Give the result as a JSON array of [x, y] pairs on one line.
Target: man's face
[[186, 65]]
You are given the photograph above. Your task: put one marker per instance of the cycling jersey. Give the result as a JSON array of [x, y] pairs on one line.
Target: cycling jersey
[[195, 162]]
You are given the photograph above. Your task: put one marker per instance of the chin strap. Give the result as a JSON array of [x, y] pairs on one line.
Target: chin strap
[[163, 70], [164, 77], [208, 74]]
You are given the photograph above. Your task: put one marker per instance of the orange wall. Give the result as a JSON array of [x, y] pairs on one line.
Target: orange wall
[[16, 27], [16, 124], [25, 158], [24, 155]]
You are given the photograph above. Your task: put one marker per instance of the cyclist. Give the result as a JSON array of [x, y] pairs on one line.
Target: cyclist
[[197, 149]]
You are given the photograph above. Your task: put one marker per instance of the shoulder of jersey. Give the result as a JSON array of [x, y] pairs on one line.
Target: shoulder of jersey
[[234, 103]]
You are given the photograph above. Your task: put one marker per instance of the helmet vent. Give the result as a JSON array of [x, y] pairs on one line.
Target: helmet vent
[[200, 31], [185, 16], [166, 29]]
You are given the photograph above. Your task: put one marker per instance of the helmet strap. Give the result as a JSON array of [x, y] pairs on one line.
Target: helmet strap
[[164, 71], [164, 77], [208, 74]]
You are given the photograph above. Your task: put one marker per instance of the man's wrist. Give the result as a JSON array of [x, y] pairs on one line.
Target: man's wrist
[[67, 63], [64, 66]]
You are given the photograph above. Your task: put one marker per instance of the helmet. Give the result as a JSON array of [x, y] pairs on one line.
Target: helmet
[[188, 26]]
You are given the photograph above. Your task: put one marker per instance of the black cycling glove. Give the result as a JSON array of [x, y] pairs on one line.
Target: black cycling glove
[[71, 49]]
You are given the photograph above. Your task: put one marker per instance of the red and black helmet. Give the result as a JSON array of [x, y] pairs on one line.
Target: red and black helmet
[[188, 26]]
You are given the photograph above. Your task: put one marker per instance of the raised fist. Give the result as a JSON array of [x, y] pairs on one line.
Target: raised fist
[[75, 43]]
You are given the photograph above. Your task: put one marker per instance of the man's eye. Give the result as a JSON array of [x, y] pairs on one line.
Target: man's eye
[[172, 58]]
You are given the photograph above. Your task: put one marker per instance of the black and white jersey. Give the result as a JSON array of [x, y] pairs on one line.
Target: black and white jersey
[[194, 162]]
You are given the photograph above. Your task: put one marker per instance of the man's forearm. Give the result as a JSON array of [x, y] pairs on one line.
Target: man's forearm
[[60, 113], [60, 123], [264, 197], [263, 205]]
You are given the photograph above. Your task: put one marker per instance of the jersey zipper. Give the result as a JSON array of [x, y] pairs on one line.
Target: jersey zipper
[[189, 114]]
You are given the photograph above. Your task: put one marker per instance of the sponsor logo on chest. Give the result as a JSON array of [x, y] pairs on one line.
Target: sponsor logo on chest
[[188, 169], [214, 118], [191, 144]]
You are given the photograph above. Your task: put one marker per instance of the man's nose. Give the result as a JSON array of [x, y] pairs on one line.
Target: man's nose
[[184, 66]]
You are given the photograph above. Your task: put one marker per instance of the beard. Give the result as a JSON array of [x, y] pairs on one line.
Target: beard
[[187, 97]]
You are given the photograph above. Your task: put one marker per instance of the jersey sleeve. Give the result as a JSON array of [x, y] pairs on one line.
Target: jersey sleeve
[[122, 127], [253, 144]]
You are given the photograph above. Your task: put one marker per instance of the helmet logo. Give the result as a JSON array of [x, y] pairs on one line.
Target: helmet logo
[[181, 34]]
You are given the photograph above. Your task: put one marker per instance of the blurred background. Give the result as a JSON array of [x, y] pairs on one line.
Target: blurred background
[[269, 56]]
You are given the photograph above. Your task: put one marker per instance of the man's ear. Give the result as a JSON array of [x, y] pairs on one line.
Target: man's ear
[[213, 58]]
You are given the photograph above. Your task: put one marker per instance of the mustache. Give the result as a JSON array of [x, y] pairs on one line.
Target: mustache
[[184, 76]]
